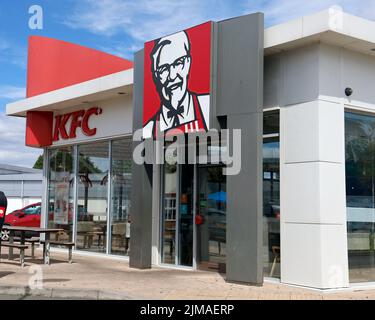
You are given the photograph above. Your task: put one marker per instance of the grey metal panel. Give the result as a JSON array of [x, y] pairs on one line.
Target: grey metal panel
[[272, 81], [141, 196], [44, 201], [358, 73], [32, 189], [330, 72], [11, 188], [300, 78], [240, 64], [244, 205], [214, 122], [240, 99], [300, 75], [10, 169], [24, 177], [4, 171]]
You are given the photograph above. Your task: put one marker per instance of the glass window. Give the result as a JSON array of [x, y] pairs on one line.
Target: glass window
[[169, 213], [271, 122], [360, 195], [61, 191], [121, 176], [271, 196], [186, 213], [212, 219], [93, 168]]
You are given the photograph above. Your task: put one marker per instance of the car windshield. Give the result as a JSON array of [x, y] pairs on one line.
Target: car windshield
[[32, 210]]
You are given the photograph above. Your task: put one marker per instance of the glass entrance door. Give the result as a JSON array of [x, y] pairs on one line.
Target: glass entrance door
[[177, 215], [210, 219], [169, 214], [193, 215]]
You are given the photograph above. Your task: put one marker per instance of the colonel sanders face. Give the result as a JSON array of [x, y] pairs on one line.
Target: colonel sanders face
[[171, 62]]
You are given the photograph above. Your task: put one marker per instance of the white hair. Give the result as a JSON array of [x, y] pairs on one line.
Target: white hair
[[179, 38]]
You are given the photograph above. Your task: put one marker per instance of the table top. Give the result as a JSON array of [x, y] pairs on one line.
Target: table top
[[33, 229]]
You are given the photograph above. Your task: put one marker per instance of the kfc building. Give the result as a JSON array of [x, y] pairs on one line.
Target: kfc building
[[297, 201]]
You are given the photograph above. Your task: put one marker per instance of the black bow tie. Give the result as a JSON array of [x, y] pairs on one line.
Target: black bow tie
[[174, 113]]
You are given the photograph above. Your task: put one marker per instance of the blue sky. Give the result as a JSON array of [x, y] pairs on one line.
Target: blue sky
[[119, 27]]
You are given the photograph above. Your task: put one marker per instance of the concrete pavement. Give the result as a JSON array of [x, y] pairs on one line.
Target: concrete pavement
[[102, 278]]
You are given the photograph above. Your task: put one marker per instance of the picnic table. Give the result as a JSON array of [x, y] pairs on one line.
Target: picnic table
[[23, 230]]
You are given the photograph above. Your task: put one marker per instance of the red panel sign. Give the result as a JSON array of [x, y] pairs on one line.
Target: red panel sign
[[39, 128], [54, 64], [177, 80], [42, 130]]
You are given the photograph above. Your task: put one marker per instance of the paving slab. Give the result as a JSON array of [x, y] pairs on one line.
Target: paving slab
[[93, 278]]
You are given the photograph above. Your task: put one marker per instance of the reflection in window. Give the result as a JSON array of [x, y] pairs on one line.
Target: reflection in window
[[360, 195], [169, 213], [60, 191], [271, 123], [271, 195], [212, 211], [93, 167], [185, 221], [121, 194]]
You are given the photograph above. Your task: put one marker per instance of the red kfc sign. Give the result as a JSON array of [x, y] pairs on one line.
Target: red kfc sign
[[177, 77], [66, 125]]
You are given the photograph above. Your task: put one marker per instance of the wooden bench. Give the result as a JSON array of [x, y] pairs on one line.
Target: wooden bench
[[70, 245], [32, 241], [19, 246]]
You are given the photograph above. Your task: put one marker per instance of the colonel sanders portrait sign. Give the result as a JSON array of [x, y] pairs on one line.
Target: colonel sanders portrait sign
[[177, 80]]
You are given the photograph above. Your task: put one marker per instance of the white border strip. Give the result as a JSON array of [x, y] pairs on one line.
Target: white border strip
[[69, 96]]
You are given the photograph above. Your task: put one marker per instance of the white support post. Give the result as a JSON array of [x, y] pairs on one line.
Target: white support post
[[313, 209]]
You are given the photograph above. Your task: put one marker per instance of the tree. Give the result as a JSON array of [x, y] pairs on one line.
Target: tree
[[39, 163]]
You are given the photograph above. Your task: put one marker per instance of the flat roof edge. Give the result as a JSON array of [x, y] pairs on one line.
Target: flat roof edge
[[71, 93], [329, 21]]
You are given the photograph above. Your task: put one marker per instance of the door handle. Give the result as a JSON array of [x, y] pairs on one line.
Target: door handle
[[198, 219]]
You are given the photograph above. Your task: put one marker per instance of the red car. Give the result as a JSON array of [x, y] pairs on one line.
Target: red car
[[28, 216]]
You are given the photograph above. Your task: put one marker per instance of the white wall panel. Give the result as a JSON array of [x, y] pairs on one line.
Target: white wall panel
[[318, 255], [314, 193], [115, 120], [300, 75], [313, 212], [312, 132]]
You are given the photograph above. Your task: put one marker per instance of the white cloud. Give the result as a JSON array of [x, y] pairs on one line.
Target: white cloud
[[12, 92], [4, 45], [122, 50], [12, 139], [149, 19], [14, 54], [145, 19]]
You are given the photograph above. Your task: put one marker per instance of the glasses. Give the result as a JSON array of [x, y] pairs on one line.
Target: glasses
[[164, 70]]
